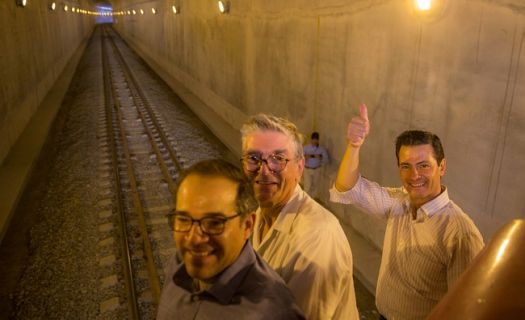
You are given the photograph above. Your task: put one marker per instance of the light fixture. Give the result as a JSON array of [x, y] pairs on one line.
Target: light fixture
[[134, 12], [174, 9], [424, 5], [224, 6], [141, 11], [429, 10], [66, 7], [153, 10], [52, 6], [21, 3], [129, 12]]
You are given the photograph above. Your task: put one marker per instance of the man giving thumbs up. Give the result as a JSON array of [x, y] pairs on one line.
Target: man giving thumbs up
[[429, 241]]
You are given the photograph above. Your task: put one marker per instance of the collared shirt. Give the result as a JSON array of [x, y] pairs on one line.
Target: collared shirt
[[314, 163], [309, 250], [247, 289], [421, 257]]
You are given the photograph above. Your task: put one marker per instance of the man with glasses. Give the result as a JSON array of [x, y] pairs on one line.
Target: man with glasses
[[216, 273], [299, 238]]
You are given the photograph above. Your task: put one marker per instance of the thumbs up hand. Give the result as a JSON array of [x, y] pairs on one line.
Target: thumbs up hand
[[358, 127]]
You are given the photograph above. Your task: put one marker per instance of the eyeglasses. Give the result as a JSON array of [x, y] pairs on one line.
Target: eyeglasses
[[209, 225], [275, 162]]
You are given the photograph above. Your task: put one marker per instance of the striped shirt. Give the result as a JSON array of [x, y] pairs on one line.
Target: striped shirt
[[421, 257]]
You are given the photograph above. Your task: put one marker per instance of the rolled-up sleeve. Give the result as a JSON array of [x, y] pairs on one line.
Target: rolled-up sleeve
[[368, 196]]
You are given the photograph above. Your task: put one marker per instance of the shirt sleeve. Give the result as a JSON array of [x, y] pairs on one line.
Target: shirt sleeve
[[465, 250], [322, 282], [368, 196]]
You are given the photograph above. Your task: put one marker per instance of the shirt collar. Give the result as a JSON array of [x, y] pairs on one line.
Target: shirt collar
[[430, 208], [228, 281], [286, 217]]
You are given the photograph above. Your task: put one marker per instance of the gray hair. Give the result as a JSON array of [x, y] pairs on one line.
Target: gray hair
[[265, 122]]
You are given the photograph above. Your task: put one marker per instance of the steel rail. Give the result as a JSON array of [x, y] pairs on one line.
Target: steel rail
[[117, 185], [147, 106], [138, 101]]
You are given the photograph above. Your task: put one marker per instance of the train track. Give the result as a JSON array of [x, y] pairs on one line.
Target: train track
[[143, 166]]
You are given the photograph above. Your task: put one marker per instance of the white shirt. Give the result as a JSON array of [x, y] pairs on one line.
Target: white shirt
[[309, 250], [421, 257], [314, 163]]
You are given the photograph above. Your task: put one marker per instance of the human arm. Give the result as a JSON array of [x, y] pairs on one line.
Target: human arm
[[357, 131], [466, 248]]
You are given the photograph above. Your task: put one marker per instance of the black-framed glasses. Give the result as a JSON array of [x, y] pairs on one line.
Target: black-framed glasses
[[209, 225], [275, 162]]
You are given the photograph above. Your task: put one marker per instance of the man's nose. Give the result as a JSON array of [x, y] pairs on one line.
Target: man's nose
[[266, 167], [195, 235], [414, 172]]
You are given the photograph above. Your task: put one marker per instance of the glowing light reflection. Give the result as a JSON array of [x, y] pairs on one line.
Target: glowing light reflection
[[424, 5], [501, 250], [222, 7]]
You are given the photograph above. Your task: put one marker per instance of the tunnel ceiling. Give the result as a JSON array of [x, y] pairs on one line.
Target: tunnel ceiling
[[102, 3]]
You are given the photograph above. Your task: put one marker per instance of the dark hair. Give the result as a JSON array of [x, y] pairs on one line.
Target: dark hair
[[245, 201], [419, 137], [315, 135]]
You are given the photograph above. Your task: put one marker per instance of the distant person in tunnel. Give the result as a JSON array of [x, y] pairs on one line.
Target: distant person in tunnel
[[215, 273], [299, 238], [315, 157], [429, 241]]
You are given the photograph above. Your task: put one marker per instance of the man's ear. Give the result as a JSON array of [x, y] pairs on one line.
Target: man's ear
[[248, 224], [442, 167], [300, 164]]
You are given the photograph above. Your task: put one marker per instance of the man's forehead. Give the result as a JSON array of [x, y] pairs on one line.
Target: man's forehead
[[271, 152], [421, 151], [268, 142]]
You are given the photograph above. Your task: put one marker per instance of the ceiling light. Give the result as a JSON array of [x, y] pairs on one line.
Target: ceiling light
[[424, 5], [224, 6], [21, 3]]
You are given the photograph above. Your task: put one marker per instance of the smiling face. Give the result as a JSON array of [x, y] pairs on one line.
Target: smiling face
[[420, 173], [206, 256], [273, 189]]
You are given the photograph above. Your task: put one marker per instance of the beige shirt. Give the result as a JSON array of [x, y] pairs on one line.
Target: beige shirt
[[422, 257], [309, 250]]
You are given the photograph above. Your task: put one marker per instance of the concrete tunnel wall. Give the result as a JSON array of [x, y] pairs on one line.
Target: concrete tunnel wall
[[35, 46], [39, 51], [457, 70]]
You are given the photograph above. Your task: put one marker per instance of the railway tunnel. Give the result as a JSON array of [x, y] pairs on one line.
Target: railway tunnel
[[452, 67]]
